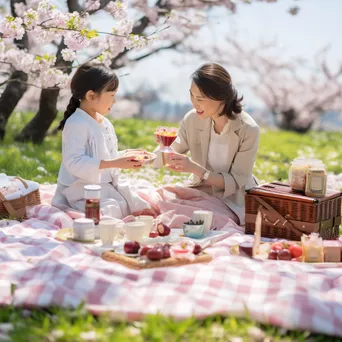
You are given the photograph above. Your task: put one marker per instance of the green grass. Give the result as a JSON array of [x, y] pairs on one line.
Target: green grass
[[41, 163]]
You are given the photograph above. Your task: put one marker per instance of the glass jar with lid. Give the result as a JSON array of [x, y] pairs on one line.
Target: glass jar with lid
[[92, 194], [298, 170], [316, 181]]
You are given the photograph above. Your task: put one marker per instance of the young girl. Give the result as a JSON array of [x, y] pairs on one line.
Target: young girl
[[90, 147]]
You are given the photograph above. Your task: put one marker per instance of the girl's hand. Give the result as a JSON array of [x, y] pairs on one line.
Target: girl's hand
[[127, 163], [133, 150], [180, 163]]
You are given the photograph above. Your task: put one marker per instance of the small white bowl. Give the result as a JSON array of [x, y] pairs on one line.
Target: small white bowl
[[195, 231]]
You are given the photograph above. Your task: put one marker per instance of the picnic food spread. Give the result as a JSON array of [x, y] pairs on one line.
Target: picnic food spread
[[158, 254], [302, 210]]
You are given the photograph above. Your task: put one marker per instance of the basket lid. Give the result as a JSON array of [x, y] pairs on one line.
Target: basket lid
[[283, 190]]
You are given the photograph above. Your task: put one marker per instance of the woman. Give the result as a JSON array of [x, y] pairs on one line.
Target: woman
[[222, 140]]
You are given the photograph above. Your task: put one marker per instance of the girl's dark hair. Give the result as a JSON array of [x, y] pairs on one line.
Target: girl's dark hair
[[88, 77], [215, 83]]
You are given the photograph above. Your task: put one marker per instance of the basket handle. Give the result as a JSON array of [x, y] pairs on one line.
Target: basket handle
[[22, 181], [280, 217], [11, 211]]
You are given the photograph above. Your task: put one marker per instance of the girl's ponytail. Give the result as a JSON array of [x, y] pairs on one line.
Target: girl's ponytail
[[74, 103]]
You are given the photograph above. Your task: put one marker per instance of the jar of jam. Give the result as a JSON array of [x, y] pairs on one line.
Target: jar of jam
[[92, 194], [316, 181]]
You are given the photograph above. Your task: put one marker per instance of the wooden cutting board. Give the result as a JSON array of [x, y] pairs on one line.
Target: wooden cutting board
[[140, 264]]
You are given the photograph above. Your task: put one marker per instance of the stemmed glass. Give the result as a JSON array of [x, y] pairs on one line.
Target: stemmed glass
[[166, 136]]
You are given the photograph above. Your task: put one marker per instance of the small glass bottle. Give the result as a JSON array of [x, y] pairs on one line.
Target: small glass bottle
[[312, 248], [92, 194], [316, 181]]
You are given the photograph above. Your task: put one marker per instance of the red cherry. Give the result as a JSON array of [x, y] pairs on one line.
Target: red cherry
[[163, 229], [153, 234], [166, 252], [273, 255], [277, 246], [155, 254], [131, 247], [145, 249], [296, 251], [197, 249], [284, 254]]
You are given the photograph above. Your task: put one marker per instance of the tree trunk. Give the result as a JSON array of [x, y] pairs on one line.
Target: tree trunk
[[36, 129], [10, 98], [288, 122], [14, 90]]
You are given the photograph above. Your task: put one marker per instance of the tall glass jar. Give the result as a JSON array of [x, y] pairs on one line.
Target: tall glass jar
[[92, 195], [298, 170], [316, 181]]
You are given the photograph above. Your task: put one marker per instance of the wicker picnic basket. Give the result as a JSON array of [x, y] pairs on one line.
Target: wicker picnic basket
[[288, 215], [16, 208]]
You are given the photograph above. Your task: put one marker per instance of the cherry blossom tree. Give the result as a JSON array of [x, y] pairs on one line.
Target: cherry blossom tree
[[140, 28], [297, 92]]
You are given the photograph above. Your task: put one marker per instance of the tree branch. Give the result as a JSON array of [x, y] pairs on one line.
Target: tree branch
[[26, 83], [172, 46]]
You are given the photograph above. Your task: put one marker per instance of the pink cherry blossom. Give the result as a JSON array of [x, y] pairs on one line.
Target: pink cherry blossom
[[19, 9], [117, 9], [92, 5]]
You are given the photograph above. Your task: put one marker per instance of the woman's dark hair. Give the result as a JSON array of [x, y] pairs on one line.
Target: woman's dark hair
[[215, 83], [88, 77]]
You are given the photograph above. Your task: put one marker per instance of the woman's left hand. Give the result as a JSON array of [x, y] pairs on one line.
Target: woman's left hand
[[180, 163]]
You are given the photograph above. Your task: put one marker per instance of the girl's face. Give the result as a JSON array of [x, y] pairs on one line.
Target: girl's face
[[103, 102], [205, 107]]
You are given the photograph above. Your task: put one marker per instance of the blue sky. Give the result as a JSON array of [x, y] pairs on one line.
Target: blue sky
[[317, 24]]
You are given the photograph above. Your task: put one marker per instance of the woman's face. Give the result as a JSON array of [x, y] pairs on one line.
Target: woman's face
[[205, 107]]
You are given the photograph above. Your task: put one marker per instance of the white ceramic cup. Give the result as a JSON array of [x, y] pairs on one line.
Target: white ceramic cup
[[108, 230], [203, 215], [83, 229], [135, 231], [148, 220]]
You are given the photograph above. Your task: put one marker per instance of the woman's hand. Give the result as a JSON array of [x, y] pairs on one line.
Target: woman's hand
[[158, 142], [180, 162]]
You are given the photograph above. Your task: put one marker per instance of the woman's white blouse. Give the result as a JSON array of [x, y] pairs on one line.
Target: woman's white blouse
[[218, 149], [85, 143]]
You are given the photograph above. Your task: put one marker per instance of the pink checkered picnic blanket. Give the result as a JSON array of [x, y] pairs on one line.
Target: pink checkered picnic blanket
[[49, 272]]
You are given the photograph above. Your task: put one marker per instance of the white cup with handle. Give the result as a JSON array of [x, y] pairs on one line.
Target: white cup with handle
[[135, 231], [203, 215], [148, 220], [108, 230]]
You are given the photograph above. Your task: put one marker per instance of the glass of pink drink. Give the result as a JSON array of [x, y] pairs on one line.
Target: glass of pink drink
[[166, 136]]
